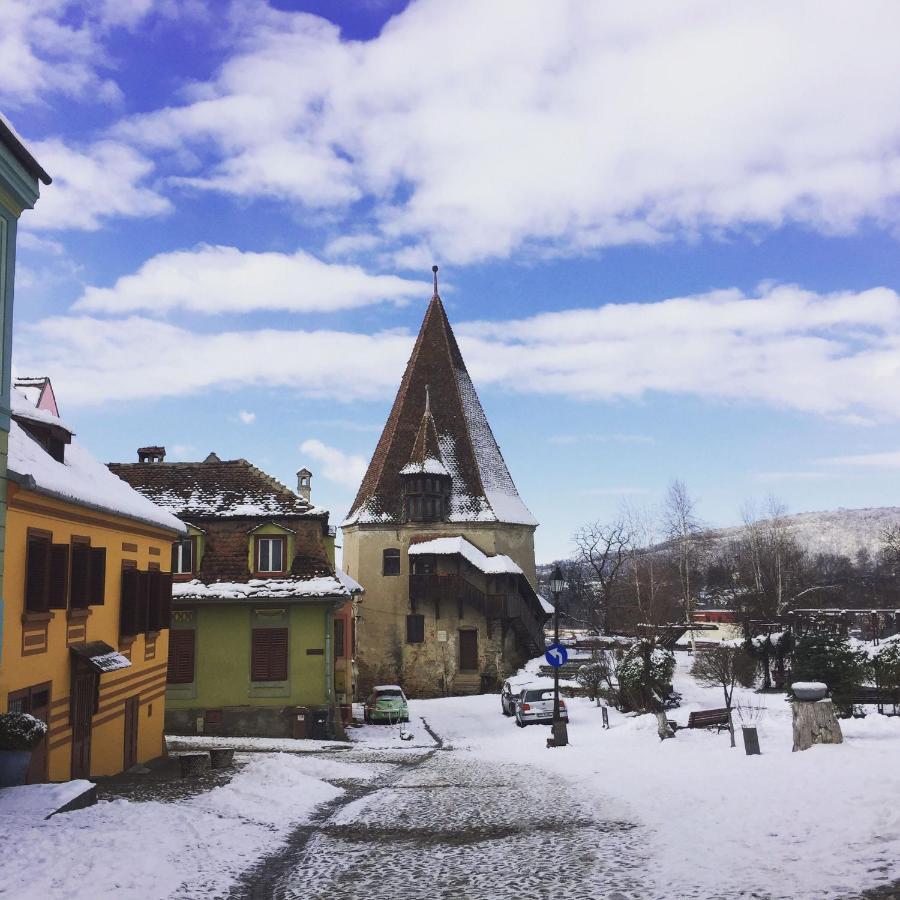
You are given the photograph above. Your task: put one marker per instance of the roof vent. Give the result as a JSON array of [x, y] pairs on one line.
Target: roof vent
[[151, 454], [212, 458]]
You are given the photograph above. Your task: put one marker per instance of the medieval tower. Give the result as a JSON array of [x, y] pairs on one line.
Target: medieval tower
[[439, 537]]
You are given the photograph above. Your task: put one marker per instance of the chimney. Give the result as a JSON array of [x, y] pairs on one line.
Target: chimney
[[304, 477], [151, 454]]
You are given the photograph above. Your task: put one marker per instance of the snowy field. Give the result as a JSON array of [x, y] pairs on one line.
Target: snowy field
[[822, 823]]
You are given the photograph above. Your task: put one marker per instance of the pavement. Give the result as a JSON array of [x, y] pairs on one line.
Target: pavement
[[440, 824]]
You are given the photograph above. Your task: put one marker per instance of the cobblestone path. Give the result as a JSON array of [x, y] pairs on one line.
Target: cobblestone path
[[445, 825]]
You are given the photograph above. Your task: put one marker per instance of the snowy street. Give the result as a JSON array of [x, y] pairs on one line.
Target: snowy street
[[474, 807]]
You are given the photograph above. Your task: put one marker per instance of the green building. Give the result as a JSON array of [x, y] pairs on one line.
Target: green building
[[19, 190], [258, 607]]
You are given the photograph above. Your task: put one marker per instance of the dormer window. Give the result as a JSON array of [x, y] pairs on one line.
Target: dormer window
[[270, 555], [183, 557], [426, 498]]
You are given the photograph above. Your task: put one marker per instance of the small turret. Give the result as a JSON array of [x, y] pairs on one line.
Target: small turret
[[426, 480], [304, 483]]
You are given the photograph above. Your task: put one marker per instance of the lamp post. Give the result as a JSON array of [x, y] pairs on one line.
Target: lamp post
[[560, 733]]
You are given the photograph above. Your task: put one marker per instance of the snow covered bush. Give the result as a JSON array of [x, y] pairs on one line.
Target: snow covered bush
[[596, 676], [831, 658], [766, 648], [20, 731], [645, 675]]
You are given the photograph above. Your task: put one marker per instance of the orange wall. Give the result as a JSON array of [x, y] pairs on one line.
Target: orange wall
[[20, 669]]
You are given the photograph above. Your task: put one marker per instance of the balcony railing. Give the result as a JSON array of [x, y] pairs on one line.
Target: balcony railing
[[445, 589]]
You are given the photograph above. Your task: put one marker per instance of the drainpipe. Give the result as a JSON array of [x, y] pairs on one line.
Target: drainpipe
[[329, 662]]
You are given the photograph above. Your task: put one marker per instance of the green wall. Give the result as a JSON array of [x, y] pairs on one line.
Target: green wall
[[222, 657]]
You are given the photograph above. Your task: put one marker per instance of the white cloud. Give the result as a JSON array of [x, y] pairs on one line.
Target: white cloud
[[214, 280], [248, 418], [560, 127], [343, 468], [885, 460], [103, 181], [835, 355]]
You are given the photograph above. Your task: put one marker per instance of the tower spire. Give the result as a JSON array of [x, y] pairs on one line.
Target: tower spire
[[435, 270]]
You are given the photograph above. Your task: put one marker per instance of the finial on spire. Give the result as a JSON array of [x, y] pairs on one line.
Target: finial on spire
[[427, 397], [435, 270]]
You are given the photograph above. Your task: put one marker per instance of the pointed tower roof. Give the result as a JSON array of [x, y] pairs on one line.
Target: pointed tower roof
[[437, 416]]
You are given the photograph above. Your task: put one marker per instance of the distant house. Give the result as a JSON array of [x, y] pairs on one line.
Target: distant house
[[260, 614], [20, 175], [85, 628], [440, 539]]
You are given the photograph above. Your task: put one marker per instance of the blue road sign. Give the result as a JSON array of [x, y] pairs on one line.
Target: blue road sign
[[556, 655]]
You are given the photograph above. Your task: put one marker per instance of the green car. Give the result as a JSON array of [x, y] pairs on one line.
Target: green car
[[386, 703]]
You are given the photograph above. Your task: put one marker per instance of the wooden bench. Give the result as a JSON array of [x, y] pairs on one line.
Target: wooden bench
[[710, 718], [866, 695]]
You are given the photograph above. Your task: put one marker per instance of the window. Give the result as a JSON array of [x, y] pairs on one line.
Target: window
[[270, 554], [269, 654], [146, 602], [423, 565], [181, 656], [339, 648], [183, 557], [415, 629], [390, 562]]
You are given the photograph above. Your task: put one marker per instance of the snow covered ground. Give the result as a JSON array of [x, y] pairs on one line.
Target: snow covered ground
[[822, 823], [143, 851]]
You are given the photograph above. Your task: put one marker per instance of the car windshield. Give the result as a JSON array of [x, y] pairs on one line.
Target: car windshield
[[539, 695]]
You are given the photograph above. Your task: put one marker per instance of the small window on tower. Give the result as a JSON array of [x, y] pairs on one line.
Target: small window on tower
[[390, 562]]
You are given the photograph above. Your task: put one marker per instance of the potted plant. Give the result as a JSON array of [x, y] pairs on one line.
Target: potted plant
[[20, 733]]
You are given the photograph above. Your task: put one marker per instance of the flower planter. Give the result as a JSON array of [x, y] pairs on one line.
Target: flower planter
[[14, 767], [809, 691]]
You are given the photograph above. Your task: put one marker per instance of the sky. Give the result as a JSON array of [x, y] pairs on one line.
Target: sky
[[667, 237]]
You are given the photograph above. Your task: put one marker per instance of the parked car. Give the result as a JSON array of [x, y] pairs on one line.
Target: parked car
[[535, 706], [386, 703], [508, 696]]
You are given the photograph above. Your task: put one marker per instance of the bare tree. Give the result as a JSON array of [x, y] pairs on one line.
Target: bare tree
[[682, 528], [603, 549], [724, 666]]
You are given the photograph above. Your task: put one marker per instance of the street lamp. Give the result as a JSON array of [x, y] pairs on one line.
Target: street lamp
[[560, 733]]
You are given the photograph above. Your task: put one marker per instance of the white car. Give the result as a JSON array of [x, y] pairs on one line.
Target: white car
[[508, 695], [534, 705]]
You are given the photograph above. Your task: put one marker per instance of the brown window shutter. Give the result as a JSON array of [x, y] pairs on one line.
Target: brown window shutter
[[415, 629], [154, 613], [142, 622], [37, 574], [97, 576], [81, 572], [269, 656], [165, 599], [128, 612], [59, 576], [181, 656]]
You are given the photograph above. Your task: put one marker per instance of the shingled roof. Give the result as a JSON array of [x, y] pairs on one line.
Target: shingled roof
[[482, 488], [230, 488]]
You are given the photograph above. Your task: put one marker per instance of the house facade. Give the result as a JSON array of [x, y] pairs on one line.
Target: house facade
[[440, 539], [85, 638], [258, 609], [20, 178]]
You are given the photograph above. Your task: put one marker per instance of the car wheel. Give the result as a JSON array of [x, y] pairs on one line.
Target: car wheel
[[519, 722]]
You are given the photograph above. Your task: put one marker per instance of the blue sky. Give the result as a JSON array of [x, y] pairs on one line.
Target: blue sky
[[667, 236]]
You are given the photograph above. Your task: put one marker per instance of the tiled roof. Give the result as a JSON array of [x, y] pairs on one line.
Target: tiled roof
[[231, 488], [482, 488]]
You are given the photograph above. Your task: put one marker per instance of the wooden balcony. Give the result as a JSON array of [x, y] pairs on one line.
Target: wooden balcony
[[445, 589]]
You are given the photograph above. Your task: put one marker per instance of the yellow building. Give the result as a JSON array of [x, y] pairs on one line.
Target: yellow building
[[88, 593]]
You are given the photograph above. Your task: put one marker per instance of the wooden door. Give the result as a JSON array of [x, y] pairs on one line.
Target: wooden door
[[132, 706], [84, 693], [468, 651]]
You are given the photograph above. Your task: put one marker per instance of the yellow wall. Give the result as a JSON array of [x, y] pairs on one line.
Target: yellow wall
[[145, 679]]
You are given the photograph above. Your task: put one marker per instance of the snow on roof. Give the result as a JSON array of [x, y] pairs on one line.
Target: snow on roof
[[428, 466], [81, 479], [261, 588], [22, 406], [546, 605], [388, 687], [351, 584], [490, 565]]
